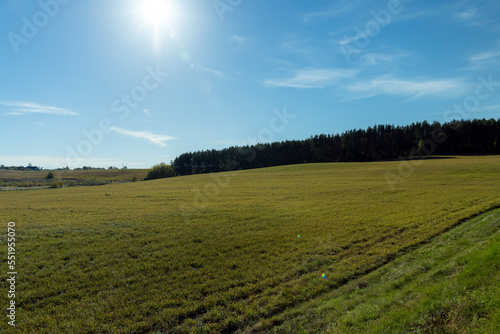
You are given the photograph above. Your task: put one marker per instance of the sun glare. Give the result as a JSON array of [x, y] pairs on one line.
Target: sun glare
[[155, 12], [158, 17]]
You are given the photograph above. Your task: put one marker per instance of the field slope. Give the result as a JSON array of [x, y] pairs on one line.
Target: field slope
[[224, 252], [449, 285]]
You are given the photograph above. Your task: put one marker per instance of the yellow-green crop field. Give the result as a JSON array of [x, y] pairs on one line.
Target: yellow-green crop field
[[223, 252], [111, 174]]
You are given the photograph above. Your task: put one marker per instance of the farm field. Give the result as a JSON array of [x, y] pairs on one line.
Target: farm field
[[15, 179], [226, 252], [449, 285]]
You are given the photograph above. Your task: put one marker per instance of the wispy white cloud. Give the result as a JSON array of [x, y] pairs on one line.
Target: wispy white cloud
[[341, 7], [477, 13], [354, 34], [238, 39], [313, 78], [485, 59], [327, 13], [153, 138], [389, 85], [466, 15], [349, 40], [371, 59], [22, 108], [485, 56], [308, 49], [407, 16], [215, 73]]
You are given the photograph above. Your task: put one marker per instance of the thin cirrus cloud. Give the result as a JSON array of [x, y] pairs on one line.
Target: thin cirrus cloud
[[371, 59], [238, 39], [485, 56], [485, 59], [466, 15], [213, 72], [305, 49], [349, 40], [313, 78], [389, 85], [477, 13], [145, 135], [340, 8], [23, 108]]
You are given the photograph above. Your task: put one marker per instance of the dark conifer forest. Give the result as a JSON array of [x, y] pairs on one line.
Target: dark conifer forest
[[380, 142]]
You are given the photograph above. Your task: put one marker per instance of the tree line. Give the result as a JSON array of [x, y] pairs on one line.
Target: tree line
[[22, 168], [380, 142]]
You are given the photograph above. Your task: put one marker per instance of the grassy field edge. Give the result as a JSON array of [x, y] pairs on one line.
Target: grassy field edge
[[450, 284], [383, 262]]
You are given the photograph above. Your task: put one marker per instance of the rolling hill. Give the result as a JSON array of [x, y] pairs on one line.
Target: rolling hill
[[226, 252]]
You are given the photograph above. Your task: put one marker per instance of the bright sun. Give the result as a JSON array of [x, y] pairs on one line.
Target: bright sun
[[159, 16], [155, 12]]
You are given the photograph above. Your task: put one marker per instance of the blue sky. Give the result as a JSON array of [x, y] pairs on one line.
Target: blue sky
[[138, 82]]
